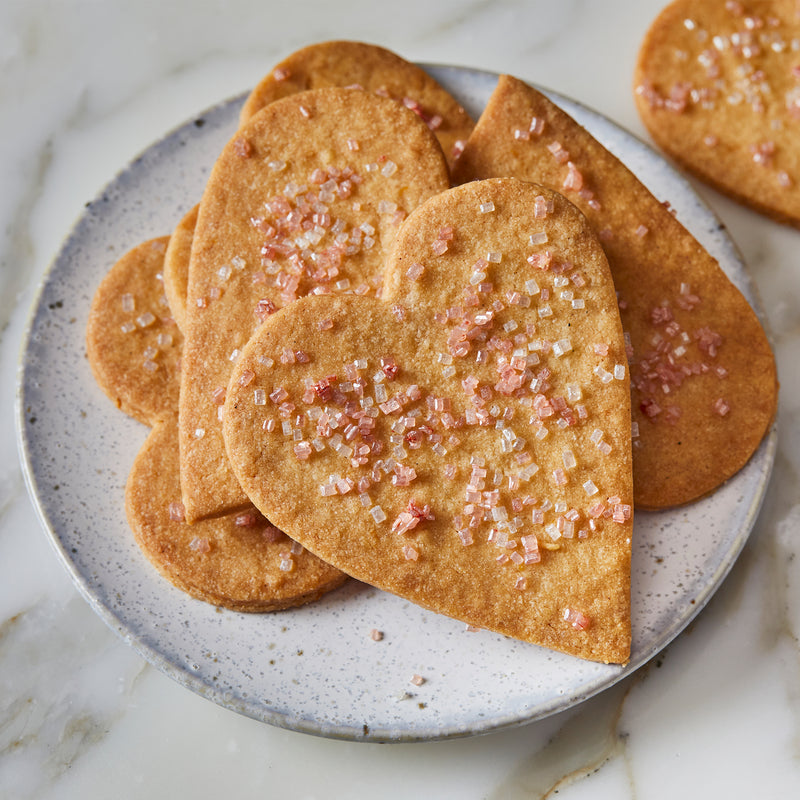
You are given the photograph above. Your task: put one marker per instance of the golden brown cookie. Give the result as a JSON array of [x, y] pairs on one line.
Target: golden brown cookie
[[465, 442], [239, 561], [375, 69], [132, 341], [703, 377], [717, 84], [306, 198], [332, 64], [176, 265]]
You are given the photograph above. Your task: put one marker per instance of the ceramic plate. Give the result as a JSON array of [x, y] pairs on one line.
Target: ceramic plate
[[316, 669]]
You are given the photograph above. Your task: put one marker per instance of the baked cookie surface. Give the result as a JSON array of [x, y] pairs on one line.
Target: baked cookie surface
[[717, 85], [703, 375], [132, 341], [306, 198], [238, 561], [376, 70], [465, 441], [176, 265]]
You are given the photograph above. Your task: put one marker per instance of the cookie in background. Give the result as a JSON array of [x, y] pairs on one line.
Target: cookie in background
[[717, 85]]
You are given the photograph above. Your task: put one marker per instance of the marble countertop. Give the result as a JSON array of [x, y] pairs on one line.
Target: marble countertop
[[85, 87]]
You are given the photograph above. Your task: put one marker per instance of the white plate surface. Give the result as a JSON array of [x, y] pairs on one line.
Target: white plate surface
[[316, 669]]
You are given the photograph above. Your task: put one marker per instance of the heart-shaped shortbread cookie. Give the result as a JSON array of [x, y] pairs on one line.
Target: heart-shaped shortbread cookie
[[704, 385], [717, 85], [306, 198], [466, 444], [239, 561]]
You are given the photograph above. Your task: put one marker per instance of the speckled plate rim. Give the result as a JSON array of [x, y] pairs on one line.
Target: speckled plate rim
[[471, 87]]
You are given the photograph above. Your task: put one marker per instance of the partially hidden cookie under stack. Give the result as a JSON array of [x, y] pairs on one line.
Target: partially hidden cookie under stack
[[373, 69]]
